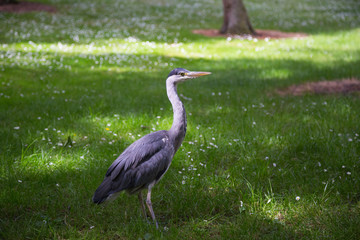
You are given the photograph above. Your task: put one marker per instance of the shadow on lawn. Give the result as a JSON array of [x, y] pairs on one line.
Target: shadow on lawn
[[102, 94]]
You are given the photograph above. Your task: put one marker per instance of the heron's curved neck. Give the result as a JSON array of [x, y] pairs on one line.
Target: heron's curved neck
[[178, 128]]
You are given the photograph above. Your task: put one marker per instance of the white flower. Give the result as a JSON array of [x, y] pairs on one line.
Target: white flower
[[297, 198], [16, 128]]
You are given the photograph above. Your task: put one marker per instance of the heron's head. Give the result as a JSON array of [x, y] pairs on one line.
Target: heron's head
[[180, 75]]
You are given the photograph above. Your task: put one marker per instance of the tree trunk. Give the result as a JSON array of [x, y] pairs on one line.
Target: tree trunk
[[236, 20]]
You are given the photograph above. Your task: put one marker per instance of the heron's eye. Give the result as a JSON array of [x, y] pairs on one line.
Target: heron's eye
[[182, 74]]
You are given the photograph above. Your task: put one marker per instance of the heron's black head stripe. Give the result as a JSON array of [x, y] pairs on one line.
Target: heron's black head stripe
[[176, 71]]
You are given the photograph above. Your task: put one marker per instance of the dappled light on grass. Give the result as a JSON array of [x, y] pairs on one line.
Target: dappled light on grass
[[118, 57], [79, 86]]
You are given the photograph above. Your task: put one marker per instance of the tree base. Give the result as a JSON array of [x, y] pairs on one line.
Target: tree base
[[259, 34]]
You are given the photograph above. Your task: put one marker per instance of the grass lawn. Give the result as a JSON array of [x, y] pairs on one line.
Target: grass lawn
[[78, 86]]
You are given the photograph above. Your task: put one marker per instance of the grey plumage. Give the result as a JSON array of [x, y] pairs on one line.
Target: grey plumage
[[143, 162], [146, 160]]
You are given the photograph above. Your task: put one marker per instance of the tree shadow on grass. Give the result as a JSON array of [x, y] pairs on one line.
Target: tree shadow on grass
[[60, 194], [64, 99]]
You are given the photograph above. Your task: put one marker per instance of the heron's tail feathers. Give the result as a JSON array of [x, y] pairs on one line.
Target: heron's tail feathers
[[103, 192]]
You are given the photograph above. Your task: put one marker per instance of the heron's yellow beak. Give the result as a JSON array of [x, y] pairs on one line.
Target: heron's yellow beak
[[197, 74]]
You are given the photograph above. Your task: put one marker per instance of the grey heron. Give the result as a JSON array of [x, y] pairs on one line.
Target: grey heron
[[145, 161]]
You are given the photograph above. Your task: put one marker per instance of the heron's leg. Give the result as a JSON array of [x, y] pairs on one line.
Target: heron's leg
[[142, 205], [149, 204]]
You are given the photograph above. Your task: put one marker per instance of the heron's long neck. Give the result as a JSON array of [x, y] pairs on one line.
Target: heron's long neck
[[178, 128]]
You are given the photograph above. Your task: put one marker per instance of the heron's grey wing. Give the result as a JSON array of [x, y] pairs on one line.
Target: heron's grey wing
[[146, 173], [140, 164], [138, 152]]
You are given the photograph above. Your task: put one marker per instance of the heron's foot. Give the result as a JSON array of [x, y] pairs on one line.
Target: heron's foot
[[148, 222]]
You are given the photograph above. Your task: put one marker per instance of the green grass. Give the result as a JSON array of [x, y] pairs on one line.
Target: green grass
[[95, 72]]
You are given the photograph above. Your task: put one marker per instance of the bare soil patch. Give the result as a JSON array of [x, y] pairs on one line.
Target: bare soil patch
[[260, 34], [343, 86], [23, 7]]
